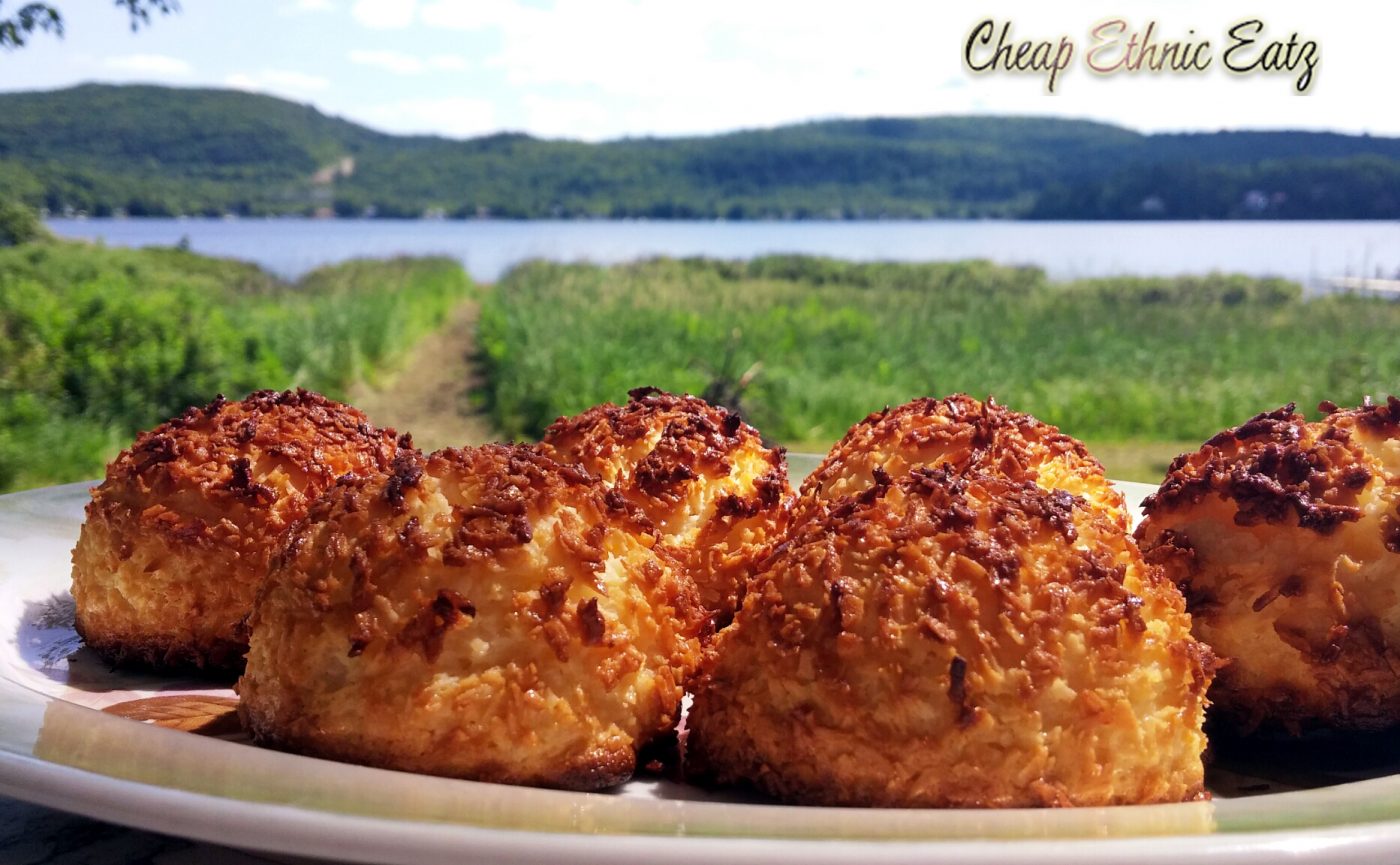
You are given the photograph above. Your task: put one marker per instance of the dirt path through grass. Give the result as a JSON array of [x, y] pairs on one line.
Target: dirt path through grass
[[430, 394]]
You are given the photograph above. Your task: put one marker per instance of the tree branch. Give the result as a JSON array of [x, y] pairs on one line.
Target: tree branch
[[16, 29]]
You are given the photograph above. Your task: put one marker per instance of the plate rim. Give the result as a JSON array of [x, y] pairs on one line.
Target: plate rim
[[289, 829], [310, 830]]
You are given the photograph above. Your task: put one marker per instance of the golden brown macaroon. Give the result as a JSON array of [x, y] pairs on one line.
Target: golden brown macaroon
[[698, 473], [177, 537], [967, 435], [479, 613], [955, 640], [1285, 537]]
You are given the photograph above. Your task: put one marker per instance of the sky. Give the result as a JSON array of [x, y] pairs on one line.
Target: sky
[[603, 69]]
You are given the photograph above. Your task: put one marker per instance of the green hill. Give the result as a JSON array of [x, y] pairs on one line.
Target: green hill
[[161, 151]]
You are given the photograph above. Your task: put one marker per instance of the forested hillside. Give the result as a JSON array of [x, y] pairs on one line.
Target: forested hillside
[[144, 150]]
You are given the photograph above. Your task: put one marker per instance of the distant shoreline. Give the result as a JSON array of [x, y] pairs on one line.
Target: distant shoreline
[[1307, 252], [626, 220]]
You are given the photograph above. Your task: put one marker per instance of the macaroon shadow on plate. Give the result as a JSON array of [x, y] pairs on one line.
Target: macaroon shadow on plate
[[167, 755]]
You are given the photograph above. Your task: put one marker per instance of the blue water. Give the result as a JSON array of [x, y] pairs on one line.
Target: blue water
[[1306, 251]]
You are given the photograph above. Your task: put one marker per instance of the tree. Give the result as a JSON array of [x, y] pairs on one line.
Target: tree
[[16, 29], [19, 224]]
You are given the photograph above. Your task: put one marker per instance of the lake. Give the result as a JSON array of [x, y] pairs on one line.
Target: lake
[[1305, 251]]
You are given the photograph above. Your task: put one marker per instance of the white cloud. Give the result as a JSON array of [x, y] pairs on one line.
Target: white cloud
[[457, 116], [149, 64], [278, 81], [475, 14], [448, 63], [611, 67], [400, 63], [299, 7], [604, 68], [385, 14], [390, 61], [568, 118]]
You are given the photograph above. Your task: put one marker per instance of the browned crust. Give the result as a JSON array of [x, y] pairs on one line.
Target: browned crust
[[984, 433], [989, 519], [1355, 682], [1381, 416], [200, 459], [1278, 468], [825, 601], [598, 769], [182, 448], [1037, 794], [696, 441], [197, 496], [967, 434], [366, 570], [512, 481], [216, 658], [1278, 473]]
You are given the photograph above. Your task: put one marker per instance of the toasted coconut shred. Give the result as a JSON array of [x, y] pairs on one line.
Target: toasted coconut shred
[[1282, 535]]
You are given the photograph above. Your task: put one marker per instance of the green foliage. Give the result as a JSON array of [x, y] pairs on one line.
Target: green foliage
[[19, 224], [96, 344], [152, 151], [1365, 186], [1107, 359], [16, 29]]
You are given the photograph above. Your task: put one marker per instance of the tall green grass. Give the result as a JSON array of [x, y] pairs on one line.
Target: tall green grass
[[1107, 359], [96, 343]]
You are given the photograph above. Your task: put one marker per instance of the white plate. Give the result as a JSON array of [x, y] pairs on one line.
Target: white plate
[[58, 750]]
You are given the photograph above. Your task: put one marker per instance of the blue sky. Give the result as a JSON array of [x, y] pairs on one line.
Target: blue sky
[[597, 69]]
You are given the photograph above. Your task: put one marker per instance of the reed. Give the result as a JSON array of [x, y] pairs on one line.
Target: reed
[[1106, 359], [97, 344]]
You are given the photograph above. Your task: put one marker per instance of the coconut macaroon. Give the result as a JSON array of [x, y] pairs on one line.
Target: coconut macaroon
[[955, 639], [965, 434], [698, 473], [177, 537], [481, 613], [1285, 537]]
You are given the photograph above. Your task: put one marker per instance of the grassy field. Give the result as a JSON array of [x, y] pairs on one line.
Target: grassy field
[[1141, 366], [96, 343]]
